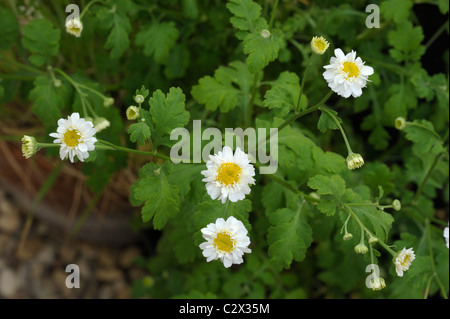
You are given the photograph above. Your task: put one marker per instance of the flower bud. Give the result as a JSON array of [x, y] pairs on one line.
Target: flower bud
[[139, 99], [57, 83], [396, 205], [377, 283], [400, 123], [108, 102], [347, 236], [29, 146], [265, 34], [132, 112], [319, 45], [361, 249], [101, 123], [354, 160], [373, 240]]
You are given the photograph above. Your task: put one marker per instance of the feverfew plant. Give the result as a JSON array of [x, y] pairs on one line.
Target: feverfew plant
[[354, 119]]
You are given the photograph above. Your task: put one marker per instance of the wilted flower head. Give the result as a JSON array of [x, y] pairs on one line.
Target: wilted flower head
[[29, 146], [354, 160], [74, 27], [403, 260]]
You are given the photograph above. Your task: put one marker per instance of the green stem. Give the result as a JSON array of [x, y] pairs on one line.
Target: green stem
[[272, 16], [425, 179], [436, 35], [25, 67], [297, 108], [430, 251], [252, 100], [86, 8], [129, 150], [427, 290], [294, 117], [382, 243], [347, 144]]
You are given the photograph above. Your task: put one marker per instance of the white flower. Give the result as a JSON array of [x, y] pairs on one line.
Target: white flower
[[225, 240], [74, 27], [319, 45], [446, 236], [29, 146], [403, 260], [400, 123], [228, 175], [347, 75], [76, 136]]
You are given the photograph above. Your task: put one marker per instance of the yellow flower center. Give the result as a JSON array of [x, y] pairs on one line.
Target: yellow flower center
[[224, 242], [72, 137], [229, 174], [351, 69], [319, 44], [406, 262]]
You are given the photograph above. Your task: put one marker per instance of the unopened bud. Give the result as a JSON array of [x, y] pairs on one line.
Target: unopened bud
[[265, 34], [396, 205], [361, 249], [139, 99], [132, 112], [400, 123], [354, 160]]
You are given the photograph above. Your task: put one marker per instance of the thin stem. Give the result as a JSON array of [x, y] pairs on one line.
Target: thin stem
[[425, 179], [349, 149], [436, 35], [252, 100], [272, 16], [25, 67], [129, 150], [294, 117], [349, 210], [427, 290], [297, 108], [86, 8], [430, 251]]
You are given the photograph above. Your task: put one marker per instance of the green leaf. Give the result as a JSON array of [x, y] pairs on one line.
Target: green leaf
[[289, 237], [48, 100], [398, 10], [9, 29], [406, 42], [262, 50], [326, 121], [160, 198], [42, 40], [209, 210], [221, 91], [140, 132], [246, 16], [119, 23], [332, 191], [424, 137], [168, 111], [284, 93], [158, 39]]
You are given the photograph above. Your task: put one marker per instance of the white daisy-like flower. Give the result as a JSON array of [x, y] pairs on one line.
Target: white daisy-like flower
[[446, 236], [403, 260], [29, 146], [227, 175], [74, 27], [76, 136], [225, 240], [319, 45], [346, 74]]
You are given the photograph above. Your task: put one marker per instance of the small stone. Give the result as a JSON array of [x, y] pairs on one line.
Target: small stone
[[8, 283]]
